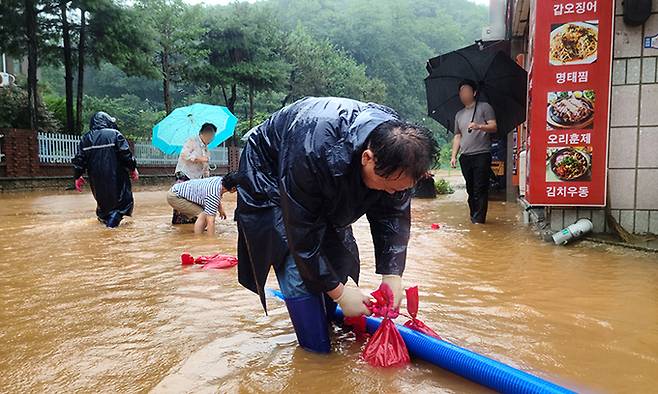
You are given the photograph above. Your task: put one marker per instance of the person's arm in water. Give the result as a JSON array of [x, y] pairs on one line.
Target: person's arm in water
[[390, 224], [212, 206], [204, 222]]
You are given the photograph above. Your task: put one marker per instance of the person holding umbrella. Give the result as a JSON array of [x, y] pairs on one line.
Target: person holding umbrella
[[474, 125], [306, 174], [194, 163], [191, 132], [477, 92]]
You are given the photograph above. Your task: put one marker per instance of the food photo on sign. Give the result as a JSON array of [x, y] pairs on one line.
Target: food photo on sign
[[569, 164], [570, 110], [574, 43]]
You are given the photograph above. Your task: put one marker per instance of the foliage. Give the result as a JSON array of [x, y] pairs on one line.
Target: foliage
[[321, 69], [13, 111], [393, 39], [176, 28], [444, 155], [443, 186], [135, 117], [252, 57]]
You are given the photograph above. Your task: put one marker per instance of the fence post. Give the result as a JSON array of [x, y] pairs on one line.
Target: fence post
[[233, 158], [22, 152]]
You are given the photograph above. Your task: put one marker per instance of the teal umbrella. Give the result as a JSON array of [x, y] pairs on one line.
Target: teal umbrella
[[182, 123]]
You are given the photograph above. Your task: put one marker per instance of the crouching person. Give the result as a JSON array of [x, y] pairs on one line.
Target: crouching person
[[202, 198]]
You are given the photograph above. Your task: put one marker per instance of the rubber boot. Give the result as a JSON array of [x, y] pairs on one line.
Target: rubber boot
[[114, 219], [309, 318]]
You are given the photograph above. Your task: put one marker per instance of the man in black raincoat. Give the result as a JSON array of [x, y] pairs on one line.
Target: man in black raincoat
[[106, 157], [306, 174]]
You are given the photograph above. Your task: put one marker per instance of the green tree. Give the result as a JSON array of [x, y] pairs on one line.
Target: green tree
[[320, 69], [111, 32], [14, 111], [29, 28], [245, 47], [176, 28], [135, 117], [393, 39]]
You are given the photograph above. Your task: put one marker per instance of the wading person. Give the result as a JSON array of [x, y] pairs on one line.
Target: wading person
[[105, 156], [474, 125], [202, 198], [306, 174], [194, 163]]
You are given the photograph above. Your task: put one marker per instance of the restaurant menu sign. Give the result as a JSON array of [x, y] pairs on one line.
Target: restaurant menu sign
[[569, 100]]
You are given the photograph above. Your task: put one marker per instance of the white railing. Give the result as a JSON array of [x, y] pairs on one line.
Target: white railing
[[57, 148], [61, 148], [2, 156], [147, 154], [219, 156]]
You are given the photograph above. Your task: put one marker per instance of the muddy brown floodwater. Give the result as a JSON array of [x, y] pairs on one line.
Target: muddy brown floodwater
[[88, 309]]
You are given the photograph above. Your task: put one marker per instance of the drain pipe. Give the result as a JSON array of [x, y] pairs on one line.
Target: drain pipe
[[574, 231]]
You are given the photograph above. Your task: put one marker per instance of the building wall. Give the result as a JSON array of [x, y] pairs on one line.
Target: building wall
[[633, 139]]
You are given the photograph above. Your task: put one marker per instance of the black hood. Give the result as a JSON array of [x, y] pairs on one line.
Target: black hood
[[102, 120]]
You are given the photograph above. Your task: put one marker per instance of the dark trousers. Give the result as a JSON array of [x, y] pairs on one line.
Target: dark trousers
[[476, 169]]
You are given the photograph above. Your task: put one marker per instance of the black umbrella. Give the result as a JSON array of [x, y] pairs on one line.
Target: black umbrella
[[501, 82]]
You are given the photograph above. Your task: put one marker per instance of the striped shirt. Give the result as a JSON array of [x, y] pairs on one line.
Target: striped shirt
[[204, 192]]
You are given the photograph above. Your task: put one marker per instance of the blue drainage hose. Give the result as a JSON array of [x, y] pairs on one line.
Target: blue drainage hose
[[472, 366]]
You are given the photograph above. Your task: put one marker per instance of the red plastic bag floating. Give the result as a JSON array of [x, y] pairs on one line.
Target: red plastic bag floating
[[386, 347], [216, 261], [412, 307]]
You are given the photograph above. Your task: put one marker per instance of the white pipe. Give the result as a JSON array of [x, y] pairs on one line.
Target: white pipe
[[576, 230]]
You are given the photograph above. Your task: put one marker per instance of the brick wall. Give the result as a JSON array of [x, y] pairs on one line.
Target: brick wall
[[21, 150], [21, 161]]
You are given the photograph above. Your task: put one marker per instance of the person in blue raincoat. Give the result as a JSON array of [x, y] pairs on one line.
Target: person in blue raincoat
[[305, 175], [105, 156]]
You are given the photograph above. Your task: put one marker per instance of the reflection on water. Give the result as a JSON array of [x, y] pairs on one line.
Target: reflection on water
[[85, 308]]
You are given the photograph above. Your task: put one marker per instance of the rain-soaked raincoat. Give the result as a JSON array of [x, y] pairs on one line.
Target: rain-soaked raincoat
[[300, 189], [105, 155]]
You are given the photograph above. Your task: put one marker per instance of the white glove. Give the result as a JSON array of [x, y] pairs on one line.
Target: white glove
[[395, 283], [353, 302]]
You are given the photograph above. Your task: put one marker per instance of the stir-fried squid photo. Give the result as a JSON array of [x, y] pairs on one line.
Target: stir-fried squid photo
[[573, 43]]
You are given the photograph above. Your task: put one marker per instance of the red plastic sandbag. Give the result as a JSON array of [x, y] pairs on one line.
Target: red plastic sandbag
[[386, 347], [358, 325], [186, 259], [412, 307], [215, 261]]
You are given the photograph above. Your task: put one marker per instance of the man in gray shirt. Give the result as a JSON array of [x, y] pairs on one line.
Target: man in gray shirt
[[474, 125]]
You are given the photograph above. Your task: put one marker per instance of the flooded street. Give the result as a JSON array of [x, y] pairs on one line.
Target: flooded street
[[88, 309]]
